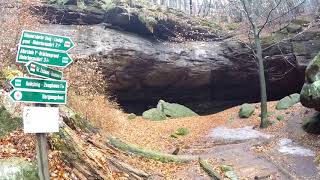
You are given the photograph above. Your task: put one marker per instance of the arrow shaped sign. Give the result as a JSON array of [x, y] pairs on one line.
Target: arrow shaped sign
[[28, 83], [42, 56], [48, 41], [38, 97], [39, 70]]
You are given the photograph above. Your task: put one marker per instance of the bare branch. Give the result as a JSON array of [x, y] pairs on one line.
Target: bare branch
[[287, 12], [268, 16]]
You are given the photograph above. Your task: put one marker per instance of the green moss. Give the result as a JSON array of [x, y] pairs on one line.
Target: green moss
[[210, 24], [280, 118], [301, 21], [158, 156], [8, 123], [59, 142], [182, 131], [274, 38], [232, 26]]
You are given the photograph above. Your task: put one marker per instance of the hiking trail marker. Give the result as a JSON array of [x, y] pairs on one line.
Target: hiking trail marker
[[42, 56], [38, 50], [46, 41], [39, 70], [36, 84]]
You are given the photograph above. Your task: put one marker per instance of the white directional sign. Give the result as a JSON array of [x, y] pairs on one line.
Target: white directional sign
[[40, 119]]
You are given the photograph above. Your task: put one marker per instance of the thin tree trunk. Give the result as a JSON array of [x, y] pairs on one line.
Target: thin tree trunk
[[190, 4], [263, 87]]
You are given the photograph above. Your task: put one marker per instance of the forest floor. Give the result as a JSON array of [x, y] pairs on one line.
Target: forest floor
[[281, 151]]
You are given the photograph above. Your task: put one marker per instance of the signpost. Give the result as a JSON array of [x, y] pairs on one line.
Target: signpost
[[39, 84], [45, 57], [47, 41], [43, 71], [38, 97], [39, 50]]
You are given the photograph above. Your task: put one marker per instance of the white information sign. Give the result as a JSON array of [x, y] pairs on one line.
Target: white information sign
[[40, 119]]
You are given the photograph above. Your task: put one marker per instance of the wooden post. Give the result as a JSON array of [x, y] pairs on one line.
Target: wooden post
[[42, 154]]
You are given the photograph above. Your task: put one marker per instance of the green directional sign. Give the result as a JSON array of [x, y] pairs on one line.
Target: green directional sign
[[39, 84], [42, 56], [38, 97], [39, 70], [48, 41]]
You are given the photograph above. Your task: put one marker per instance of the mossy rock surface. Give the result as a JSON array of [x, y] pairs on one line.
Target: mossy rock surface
[[16, 169], [174, 110], [312, 124], [312, 71], [132, 116], [288, 101], [154, 114], [294, 28], [7, 122], [246, 110]]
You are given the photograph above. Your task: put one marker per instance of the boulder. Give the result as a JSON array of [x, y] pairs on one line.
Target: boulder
[[154, 114], [17, 168], [310, 93], [246, 110], [288, 101], [132, 116], [174, 110], [312, 124], [294, 28]]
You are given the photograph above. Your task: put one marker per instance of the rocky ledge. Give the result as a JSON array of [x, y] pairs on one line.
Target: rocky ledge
[[138, 67]]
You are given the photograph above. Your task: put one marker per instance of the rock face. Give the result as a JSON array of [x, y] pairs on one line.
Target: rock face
[[310, 93], [140, 68]]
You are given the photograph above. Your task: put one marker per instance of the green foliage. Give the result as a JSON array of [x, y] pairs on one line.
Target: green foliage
[[280, 117], [230, 120], [8, 123], [182, 131], [10, 73]]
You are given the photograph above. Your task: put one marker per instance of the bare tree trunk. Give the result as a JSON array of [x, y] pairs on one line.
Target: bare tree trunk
[[190, 4], [263, 87]]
